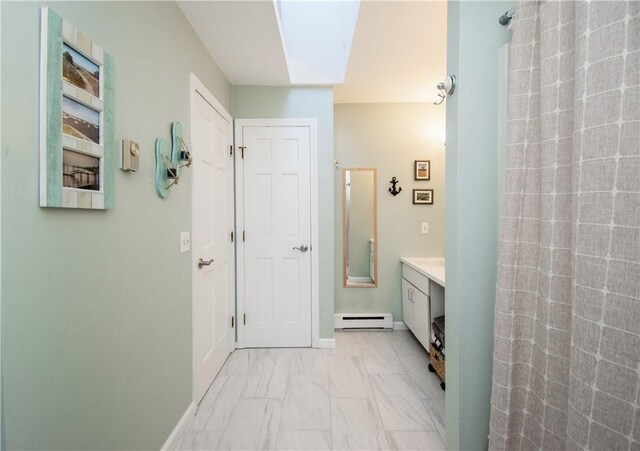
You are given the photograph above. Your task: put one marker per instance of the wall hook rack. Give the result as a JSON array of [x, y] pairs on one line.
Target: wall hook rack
[[393, 190], [446, 88], [169, 162]]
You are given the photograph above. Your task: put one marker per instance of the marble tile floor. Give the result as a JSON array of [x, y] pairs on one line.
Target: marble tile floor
[[373, 391]]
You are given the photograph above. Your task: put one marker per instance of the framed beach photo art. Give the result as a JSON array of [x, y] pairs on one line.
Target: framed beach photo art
[[422, 196], [422, 170], [76, 118]]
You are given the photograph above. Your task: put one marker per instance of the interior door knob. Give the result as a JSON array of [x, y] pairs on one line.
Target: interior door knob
[[302, 248], [202, 263]]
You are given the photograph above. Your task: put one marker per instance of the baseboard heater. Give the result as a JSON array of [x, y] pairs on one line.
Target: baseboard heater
[[364, 321]]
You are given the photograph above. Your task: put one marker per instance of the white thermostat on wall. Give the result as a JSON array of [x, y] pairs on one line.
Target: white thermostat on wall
[[130, 156]]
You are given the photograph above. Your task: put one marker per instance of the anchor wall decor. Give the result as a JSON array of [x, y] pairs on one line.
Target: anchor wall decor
[[393, 190]]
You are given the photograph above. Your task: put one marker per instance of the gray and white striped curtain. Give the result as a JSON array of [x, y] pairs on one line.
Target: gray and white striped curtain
[[567, 325]]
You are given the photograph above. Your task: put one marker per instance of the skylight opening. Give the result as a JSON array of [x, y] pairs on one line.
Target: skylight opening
[[317, 37]]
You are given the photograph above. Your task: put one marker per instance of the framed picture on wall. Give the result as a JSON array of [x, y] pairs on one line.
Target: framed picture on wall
[[76, 118], [422, 196], [422, 170]]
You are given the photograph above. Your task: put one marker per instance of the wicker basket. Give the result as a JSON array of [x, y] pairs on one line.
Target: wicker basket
[[437, 363]]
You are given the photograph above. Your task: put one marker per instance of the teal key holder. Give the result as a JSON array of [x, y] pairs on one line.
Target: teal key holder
[[169, 162]]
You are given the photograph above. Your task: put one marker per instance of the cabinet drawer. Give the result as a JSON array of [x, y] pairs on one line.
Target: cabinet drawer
[[420, 281]]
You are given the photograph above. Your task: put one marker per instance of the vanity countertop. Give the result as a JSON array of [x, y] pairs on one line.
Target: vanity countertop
[[433, 268]]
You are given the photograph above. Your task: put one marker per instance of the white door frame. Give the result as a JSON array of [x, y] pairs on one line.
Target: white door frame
[[312, 124], [197, 88]]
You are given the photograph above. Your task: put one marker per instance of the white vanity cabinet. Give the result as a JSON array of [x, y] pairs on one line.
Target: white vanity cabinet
[[407, 303], [415, 312], [422, 296]]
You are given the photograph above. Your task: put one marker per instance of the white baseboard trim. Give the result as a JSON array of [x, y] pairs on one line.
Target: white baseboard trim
[[174, 439], [399, 325], [326, 343]]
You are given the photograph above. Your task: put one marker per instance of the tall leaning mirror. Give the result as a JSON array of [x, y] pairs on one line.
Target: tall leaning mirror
[[360, 227]]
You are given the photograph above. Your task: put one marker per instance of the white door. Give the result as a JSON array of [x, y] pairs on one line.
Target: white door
[[213, 258], [277, 246]]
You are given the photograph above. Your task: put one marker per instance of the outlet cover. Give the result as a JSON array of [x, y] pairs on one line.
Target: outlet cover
[[185, 242], [425, 227]]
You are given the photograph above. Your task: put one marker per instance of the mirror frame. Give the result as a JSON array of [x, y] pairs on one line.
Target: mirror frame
[[344, 228]]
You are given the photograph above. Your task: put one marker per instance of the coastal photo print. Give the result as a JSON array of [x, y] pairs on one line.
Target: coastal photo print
[[77, 149], [80, 121], [422, 170], [80, 171], [80, 71], [422, 196]]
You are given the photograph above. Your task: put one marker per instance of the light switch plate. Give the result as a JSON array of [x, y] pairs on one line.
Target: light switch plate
[[425, 227], [185, 242]]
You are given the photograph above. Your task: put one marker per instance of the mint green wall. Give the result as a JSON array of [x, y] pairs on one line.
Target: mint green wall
[[473, 138], [257, 102], [2, 442], [96, 305], [391, 137]]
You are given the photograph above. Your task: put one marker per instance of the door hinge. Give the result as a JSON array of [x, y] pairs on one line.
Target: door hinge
[[243, 236], [242, 150], [233, 322], [230, 151], [232, 236], [244, 319]]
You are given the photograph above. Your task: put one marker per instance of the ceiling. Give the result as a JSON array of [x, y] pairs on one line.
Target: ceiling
[[244, 39], [398, 52]]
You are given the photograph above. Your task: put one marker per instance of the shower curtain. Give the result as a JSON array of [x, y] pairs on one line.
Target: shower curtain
[[567, 323]]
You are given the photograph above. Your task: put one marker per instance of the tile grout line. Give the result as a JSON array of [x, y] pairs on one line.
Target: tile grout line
[[415, 387], [217, 395], [330, 417], [244, 386], [433, 419], [286, 390], [375, 402], [420, 398]]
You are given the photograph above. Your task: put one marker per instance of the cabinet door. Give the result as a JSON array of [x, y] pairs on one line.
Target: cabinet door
[[421, 318], [407, 303]]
